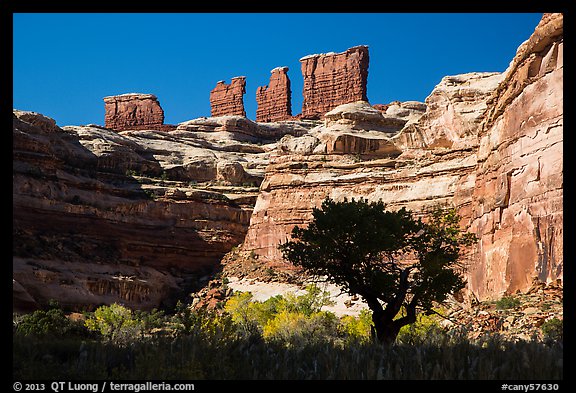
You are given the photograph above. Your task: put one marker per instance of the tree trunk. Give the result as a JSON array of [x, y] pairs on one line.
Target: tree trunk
[[387, 328], [386, 331]]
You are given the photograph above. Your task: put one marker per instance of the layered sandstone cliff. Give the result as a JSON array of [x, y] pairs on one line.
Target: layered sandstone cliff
[[135, 217], [362, 152], [488, 143], [228, 99], [518, 194], [333, 79], [274, 101], [134, 111], [132, 216]]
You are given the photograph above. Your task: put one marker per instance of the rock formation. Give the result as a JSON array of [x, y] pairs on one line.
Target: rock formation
[[133, 216], [489, 144], [228, 99], [518, 190], [102, 216], [242, 128], [452, 118], [345, 158], [274, 100], [134, 112], [333, 79]]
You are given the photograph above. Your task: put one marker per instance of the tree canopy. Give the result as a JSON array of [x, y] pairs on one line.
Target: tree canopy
[[394, 261]]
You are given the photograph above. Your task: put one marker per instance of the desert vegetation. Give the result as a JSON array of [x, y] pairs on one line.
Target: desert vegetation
[[392, 260], [358, 245], [288, 337]]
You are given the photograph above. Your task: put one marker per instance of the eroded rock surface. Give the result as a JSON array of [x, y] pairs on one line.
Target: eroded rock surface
[[134, 111], [489, 144], [128, 216], [518, 194], [332, 79], [274, 101], [228, 99]]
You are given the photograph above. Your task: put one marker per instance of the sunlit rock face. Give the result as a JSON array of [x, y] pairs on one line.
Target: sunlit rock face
[[134, 111], [489, 144], [228, 99], [274, 100], [332, 79], [518, 194]]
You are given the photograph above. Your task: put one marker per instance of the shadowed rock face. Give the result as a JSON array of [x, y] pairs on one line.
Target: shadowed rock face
[[228, 100], [333, 79], [134, 112], [102, 216], [274, 100]]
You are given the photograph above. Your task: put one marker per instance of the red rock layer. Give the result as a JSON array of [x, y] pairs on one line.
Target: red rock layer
[[274, 100], [333, 79], [133, 111], [489, 144], [228, 99], [517, 200], [86, 232]]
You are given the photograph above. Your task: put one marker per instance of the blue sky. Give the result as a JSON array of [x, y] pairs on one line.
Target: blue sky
[[64, 64]]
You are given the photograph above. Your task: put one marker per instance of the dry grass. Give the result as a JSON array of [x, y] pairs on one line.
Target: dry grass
[[221, 355]]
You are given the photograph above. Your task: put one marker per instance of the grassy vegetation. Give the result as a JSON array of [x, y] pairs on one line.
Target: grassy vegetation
[[282, 338], [507, 302]]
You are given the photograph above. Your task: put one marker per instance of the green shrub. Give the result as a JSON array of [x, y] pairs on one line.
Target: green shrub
[[115, 323], [294, 320], [507, 302], [298, 330], [52, 322], [150, 320], [426, 329], [553, 330], [357, 328], [202, 323], [245, 313], [309, 303]]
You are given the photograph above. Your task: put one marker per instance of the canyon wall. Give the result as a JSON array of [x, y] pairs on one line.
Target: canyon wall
[[489, 144], [518, 193], [363, 152], [228, 99], [133, 112], [132, 214], [333, 79], [274, 100], [135, 217]]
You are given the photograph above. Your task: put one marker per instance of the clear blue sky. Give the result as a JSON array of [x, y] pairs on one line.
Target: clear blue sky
[[64, 64]]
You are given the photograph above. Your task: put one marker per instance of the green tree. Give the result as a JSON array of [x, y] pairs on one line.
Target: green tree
[[309, 303], [52, 322], [392, 260], [115, 322]]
